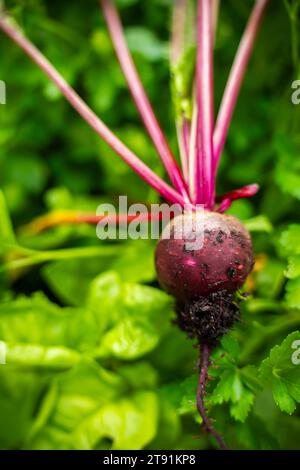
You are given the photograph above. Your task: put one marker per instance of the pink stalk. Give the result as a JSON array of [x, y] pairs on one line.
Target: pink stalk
[[195, 150], [246, 191], [194, 168], [140, 97], [227, 199], [177, 49], [88, 115], [204, 96], [235, 79], [224, 206]]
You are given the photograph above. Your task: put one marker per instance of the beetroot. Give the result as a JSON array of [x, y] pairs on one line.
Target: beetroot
[[223, 263], [204, 279]]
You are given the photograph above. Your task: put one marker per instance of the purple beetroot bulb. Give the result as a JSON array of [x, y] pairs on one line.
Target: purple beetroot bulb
[[221, 264]]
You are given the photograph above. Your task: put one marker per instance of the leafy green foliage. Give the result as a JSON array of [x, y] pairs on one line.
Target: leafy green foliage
[[93, 360], [7, 236], [289, 246], [287, 172], [87, 420], [135, 316], [283, 373], [236, 385]]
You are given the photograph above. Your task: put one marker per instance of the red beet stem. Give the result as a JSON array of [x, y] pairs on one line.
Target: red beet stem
[[177, 49], [140, 97], [204, 187], [227, 199], [194, 153], [246, 191], [88, 115], [235, 79], [204, 364]]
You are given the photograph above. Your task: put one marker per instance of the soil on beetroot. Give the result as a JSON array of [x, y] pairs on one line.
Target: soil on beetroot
[[209, 317]]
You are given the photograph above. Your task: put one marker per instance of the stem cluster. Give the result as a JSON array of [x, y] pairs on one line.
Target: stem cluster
[[200, 139]]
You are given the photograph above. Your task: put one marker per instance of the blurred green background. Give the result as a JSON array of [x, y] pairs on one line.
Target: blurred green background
[[93, 359]]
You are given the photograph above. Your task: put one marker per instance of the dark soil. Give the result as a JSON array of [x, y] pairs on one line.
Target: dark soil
[[209, 317]]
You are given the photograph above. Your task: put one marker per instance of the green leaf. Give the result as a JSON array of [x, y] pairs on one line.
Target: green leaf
[[256, 305], [37, 321], [135, 316], [283, 375], [292, 296], [70, 279], [29, 356], [241, 409], [289, 241], [169, 425], [287, 174], [105, 294], [139, 375], [182, 395], [260, 223], [136, 262], [282, 397], [147, 302], [289, 181], [293, 270], [230, 345], [188, 389], [146, 43], [7, 236], [130, 339], [232, 389], [44, 411], [270, 279], [19, 397], [27, 171], [174, 353], [72, 397], [118, 178], [88, 408], [242, 209], [229, 388], [250, 378], [130, 423]]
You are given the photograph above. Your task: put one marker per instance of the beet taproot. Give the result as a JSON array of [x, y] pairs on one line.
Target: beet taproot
[[222, 263]]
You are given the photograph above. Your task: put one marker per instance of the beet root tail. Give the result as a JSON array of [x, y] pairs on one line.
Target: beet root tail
[[207, 425]]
